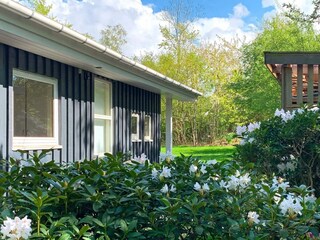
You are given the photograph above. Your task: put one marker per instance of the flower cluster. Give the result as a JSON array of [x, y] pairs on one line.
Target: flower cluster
[[287, 164], [141, 159], [166, 157], [16, 229], [253, 217], [243, 131], [291, 205], [166, 189], [165, 173], [236, 182]]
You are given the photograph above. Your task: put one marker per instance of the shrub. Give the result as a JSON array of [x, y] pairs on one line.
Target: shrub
[[287, 144], [180, 198]]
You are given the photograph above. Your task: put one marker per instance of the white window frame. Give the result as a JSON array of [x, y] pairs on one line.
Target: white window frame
[[135, 137], [37, 143], [105, 117], [148, 137]]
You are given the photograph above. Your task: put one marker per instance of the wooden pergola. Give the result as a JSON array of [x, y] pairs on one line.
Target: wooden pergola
[[298, 75]]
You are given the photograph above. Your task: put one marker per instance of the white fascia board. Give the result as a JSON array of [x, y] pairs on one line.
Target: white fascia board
[[21, 33]]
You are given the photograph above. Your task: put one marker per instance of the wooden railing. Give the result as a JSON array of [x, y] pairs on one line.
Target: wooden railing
[[300, 85]]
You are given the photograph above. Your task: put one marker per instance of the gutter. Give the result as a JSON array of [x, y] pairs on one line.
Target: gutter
[[67, 32]]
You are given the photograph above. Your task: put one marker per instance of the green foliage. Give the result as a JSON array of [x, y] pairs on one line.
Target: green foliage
[[41, 6], [257, 93], [220, 153], [113, 37], [288, 145], [108, 199]]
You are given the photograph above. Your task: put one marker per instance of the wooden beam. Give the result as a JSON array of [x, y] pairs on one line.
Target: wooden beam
[[292, 57]]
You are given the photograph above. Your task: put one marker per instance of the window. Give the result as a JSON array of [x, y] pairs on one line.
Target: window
[[135, 127], [35, 111], [147, 128], [102, 117]]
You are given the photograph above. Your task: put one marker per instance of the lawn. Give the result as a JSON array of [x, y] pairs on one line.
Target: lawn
[[219, 153]]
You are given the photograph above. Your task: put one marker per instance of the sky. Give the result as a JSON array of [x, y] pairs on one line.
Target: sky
[[141, 18]]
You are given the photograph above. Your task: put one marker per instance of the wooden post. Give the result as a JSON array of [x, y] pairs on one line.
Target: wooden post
[[169, 124]]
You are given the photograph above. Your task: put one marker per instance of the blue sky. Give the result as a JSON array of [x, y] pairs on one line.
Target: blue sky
[[216, 8], [216, 19]]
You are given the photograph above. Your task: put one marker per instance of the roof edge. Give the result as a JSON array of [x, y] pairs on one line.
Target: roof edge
[[31, 15]]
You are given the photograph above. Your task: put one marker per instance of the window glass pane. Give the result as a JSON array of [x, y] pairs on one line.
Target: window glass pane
[[102, 136], [134, 125], [102, 98], [147, 130], [102, 122], [33, 108]]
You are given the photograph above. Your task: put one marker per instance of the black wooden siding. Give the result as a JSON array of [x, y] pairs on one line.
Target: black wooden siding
[[75, 93], [127, 100], [76, 113]]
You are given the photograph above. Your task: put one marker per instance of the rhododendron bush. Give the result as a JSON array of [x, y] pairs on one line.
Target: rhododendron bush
[[287, 145], [178, 198]]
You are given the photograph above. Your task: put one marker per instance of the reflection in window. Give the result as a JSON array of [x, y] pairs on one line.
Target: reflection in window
[[147, 127], [135, 126]]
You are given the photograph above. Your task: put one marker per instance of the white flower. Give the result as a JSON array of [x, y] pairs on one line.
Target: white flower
[[250, 140], [233, 183], [310, 198], [291, 166], [282, 167], [279, 113], [16, 229], [165, 189], [240, 130], [223, 184], [290, 205], [197, 186], [203, 169], [314, 109], [253, 126], [166, 172], [244, 180], [154, 173], [166, 156], [193, 168], [206, 187], [253, 217], [211, 162], [142, 159], [173, 188]]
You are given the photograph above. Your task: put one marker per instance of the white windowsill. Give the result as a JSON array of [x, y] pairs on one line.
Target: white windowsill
[[136, 140], [36, 147], [148, 140]]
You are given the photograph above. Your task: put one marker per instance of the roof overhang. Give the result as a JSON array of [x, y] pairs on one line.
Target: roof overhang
[[23, 28], [276, 60]]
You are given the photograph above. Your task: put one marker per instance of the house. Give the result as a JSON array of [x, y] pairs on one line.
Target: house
[[298, 75], [61, 91]]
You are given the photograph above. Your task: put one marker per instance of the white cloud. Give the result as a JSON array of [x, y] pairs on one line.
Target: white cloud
[[267, 3], [304, 5], [212, 28], [142, 23], [240, 11]]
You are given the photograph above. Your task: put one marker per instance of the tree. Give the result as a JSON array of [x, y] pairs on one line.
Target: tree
[[41, 6], [297, 15], [257, 91], [114, 37]]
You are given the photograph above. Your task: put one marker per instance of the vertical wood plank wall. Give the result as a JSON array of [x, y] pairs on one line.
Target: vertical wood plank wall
[[75, 104], [300, 85], [76, 115], [127, 100]]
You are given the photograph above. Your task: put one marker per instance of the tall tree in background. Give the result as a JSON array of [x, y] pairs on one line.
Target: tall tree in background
[[257, 91], [207, 67], [114, 37], [41, 6]]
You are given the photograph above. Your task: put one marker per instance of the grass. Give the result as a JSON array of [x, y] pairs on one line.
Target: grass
[[219, 153]]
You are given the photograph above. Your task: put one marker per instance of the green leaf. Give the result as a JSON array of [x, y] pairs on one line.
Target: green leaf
[[199, 230], [284, 233], [83, 230], [123, 225]]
